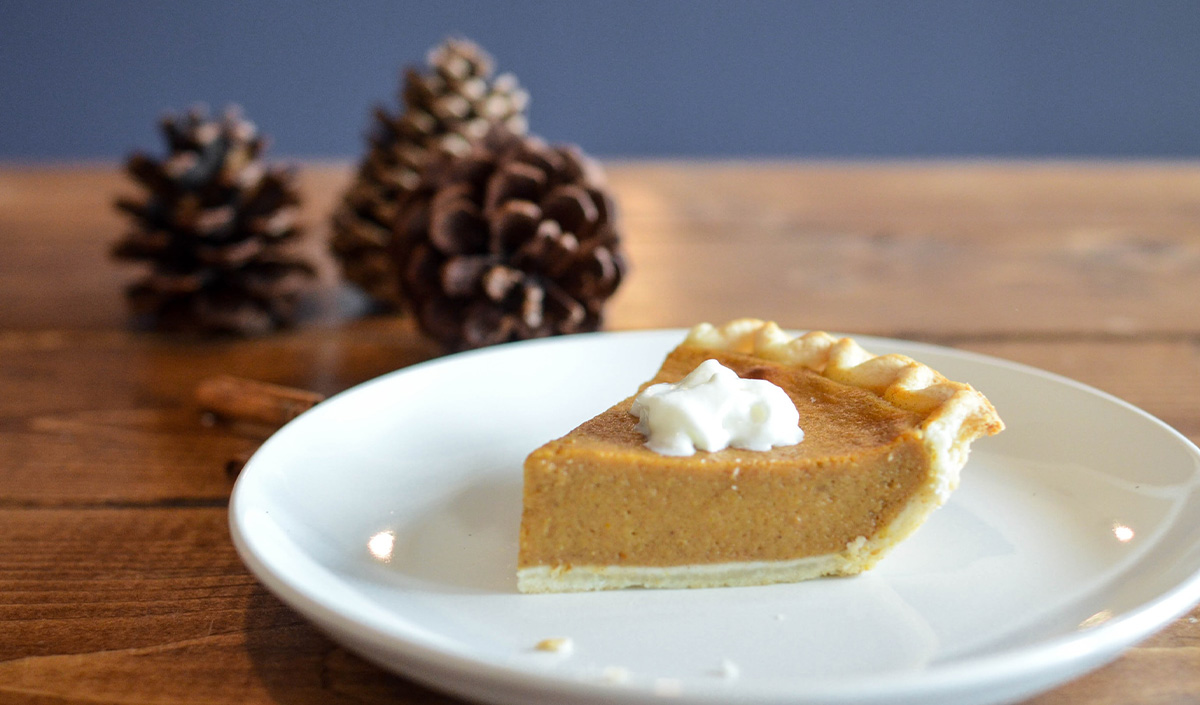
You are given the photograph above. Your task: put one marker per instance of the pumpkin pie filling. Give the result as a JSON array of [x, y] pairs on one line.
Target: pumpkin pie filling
[[601, 510]]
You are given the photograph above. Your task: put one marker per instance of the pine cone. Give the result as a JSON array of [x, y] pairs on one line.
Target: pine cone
[[215, 225], [514, 240], [445, 109]]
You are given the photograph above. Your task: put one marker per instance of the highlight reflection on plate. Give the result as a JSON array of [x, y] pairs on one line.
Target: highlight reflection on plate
[[388, 516]]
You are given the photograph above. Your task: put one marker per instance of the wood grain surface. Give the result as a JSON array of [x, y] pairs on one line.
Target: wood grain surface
[[118, 581]]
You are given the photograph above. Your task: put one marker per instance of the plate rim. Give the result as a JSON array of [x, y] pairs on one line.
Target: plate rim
[[1088, 648]]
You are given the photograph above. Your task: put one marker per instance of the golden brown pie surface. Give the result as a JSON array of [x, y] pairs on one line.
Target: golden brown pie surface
[[599, 503]]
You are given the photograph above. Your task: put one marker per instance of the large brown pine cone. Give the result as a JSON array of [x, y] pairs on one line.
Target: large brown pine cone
[[216, 227], [445, 108], [513, 240]]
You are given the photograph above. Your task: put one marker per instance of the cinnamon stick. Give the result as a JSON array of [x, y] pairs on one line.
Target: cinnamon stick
[[239, 399]]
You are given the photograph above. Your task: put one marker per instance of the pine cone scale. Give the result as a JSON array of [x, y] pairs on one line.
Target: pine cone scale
[[230, 255], [514, 224], [279, 285], [568, 312], [485, 324], [515, 181], [463, 276], [499, 282], [457, 228], [416, 123], [421, 275], [215, 223], [595, 277], [606, 209], [573, 209], [533, 308], [149, 173], [170, 284]]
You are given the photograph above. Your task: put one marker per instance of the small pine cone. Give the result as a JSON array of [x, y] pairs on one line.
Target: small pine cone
[[216, 227], [444, 109], [513, 240]]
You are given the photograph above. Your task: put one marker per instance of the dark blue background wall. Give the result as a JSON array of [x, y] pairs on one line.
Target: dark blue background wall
[[827, 79]]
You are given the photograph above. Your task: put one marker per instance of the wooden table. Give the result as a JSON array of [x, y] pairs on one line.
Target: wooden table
[[118, 582]]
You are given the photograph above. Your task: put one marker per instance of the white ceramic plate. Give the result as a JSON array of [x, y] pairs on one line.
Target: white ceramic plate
[[388, 516]]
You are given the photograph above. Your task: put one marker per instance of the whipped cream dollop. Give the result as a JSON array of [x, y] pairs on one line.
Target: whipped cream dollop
[[712, 408]]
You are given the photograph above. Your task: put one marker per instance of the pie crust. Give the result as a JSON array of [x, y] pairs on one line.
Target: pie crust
[[886, 438]]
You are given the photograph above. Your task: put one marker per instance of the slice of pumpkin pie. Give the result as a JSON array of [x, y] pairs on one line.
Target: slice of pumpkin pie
[[709, 478]]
